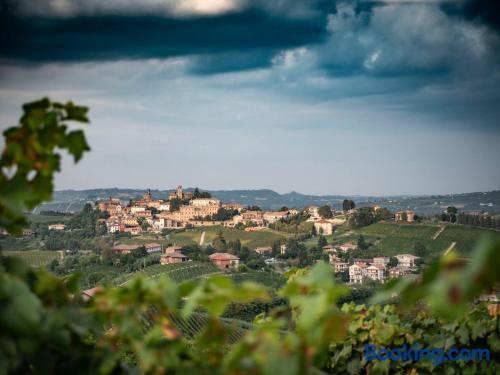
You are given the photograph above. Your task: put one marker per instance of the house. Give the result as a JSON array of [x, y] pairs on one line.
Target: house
[[323, 227], [375, 272], [233, 206], [124, 249], [283, 249], [274, 216], [340, 266], [135, 230], [400, 216], [313, 211], [57, 226], [173, 249], [407, 260], [384, 261], [329, 249], [256, 217], [153, 248], [348, 246], [356, 273], [399, 271], [224, 260], [89, 293], [264, 250], [173, 257]]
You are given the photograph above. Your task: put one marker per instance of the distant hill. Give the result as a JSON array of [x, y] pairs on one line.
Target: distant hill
[[73, 200]]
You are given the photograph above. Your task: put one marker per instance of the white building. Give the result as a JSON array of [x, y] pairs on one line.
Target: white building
[[356, 273], [384, 261], [135, 209], [204, 202], [164, 207], [406, 260], [375, 272], [323, 227]]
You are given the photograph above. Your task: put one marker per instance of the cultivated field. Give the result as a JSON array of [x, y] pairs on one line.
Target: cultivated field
[[35, 258]]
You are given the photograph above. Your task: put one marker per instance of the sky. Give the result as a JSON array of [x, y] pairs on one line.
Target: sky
[[320, 97]]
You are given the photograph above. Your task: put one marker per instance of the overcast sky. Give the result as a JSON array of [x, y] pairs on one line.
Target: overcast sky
[[320, 97]]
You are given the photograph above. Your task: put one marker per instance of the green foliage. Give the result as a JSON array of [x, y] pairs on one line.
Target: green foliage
[[325, 212], [30, 159]]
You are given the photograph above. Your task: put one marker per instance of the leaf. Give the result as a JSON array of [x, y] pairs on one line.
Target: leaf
[[76, 144]]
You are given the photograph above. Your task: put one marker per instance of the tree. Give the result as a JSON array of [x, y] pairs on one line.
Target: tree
[[30, 154], [348, 205], [404, 216], [175, 204], [220, 242], [362, 244], [253, 208], [420, 250], [322, 242], [284, 209], [393, 262], [325, 212]]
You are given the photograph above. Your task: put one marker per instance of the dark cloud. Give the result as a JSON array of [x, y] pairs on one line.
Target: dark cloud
[[483, 11], [89, 38]]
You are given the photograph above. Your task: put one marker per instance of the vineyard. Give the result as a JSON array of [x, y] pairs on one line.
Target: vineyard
[[272, 280], [178, 272], [35, 258]]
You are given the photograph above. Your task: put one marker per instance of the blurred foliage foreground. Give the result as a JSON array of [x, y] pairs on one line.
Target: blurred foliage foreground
[[48, 326]]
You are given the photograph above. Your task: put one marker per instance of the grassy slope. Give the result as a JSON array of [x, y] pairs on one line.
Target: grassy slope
[[35, 258], [192, 236], [392, 238]]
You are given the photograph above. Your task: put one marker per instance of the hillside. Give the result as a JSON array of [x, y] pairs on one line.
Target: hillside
[[389, 239], [73, 200]]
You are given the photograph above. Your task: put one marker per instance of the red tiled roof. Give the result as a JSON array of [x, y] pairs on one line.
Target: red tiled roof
[[223, 256]]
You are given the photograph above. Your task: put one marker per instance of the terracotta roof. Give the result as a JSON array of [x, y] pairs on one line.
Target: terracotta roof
[[149, 245], [223, 256], [174, 254], [89, 293], [123, 247]]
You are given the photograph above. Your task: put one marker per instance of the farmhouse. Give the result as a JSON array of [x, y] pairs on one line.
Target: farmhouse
[[356, 273], [384, 261], [399, 272], [124, 249], [348, 246], [329, 249], [173, 257], [224, 260], [323, 227], [375, 272], [400, 216], [264, 250], [153, 248]]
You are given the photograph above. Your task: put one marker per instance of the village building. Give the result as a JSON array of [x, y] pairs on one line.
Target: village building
[[152, 248], [273, 216], [173, 257], [407, 260], [348, 246], [233, 206], [399, 216], [375, 272], [282, 249], [323, 227], [313, 211], [224, 260], [57, 226], [356, 273], [399, 271], [384, 261], [180, 194], [124, 249], [264, 250], [173, 249], [340, 266], [256, 217]]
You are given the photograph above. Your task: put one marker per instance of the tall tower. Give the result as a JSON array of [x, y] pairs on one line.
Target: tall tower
[[148, 197], [179, 192]]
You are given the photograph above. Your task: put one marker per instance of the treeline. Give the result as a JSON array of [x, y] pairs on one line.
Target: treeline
[[481, 220]]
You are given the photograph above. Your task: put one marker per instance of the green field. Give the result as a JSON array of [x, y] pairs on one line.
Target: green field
[[185, 237], [392, 238], [251, 239], [47, 219], [35, 258]]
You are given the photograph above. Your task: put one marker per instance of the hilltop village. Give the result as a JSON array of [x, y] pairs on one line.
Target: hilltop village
[[188, 210]]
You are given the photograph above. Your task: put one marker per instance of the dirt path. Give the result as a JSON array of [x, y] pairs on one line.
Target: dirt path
[[202, 238], [450, 248], [440, 230]]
